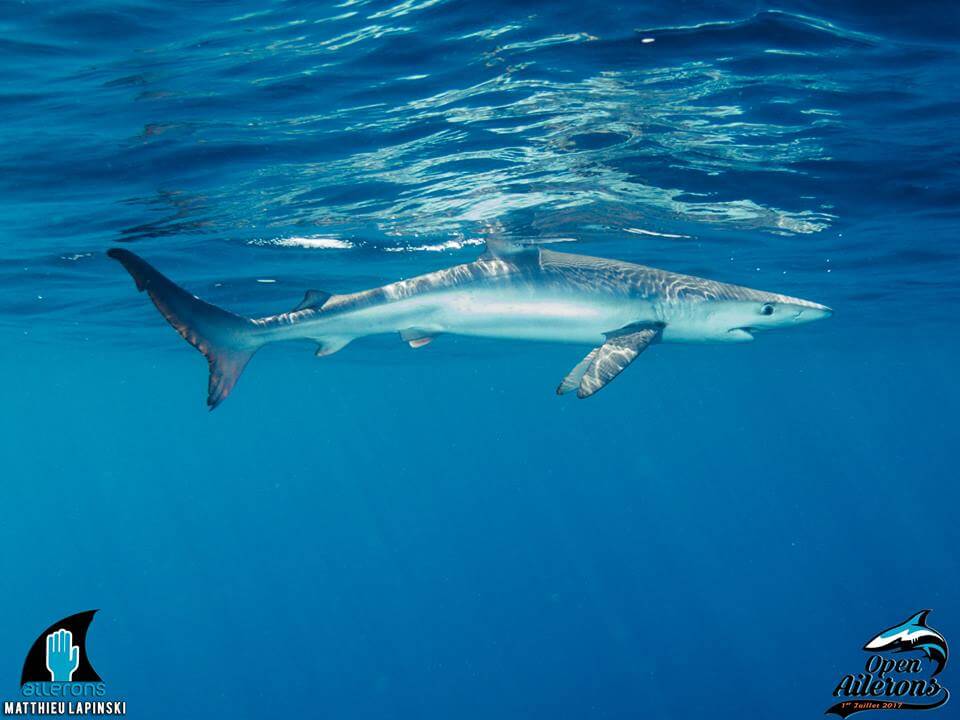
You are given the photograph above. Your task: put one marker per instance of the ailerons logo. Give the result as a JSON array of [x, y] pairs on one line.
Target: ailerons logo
[[59, 654], [58, 677], [897, 683]]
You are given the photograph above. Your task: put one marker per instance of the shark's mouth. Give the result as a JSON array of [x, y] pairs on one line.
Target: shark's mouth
[[742, 333]]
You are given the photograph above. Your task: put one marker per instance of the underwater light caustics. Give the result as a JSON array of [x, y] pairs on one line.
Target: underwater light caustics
[[512, 291]]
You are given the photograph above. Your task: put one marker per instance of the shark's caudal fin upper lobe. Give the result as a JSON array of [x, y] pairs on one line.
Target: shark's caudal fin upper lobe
[[228, 341]]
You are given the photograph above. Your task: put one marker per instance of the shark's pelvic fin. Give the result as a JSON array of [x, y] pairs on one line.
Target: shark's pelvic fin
[[313, 300], [604, 363], [228, 341], [331, 344]]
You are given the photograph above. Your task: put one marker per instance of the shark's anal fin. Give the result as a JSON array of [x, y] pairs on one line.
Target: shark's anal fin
[[604, 363], [417, 337], [313, 300]]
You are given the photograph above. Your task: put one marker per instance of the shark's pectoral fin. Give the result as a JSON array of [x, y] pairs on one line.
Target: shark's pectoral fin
[[313, 300], [572, 380], [604, 363], [417, 337]]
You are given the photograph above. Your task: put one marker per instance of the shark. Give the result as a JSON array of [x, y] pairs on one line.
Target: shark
[[913, 634], [514, 290]]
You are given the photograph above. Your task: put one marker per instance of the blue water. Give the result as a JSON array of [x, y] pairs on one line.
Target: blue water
[[434, 534]]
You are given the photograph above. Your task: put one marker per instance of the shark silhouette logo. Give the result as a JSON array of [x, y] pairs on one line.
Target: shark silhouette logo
[[913, 634], [904, 682], [59, 654]]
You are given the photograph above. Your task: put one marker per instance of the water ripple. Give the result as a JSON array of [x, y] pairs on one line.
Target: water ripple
[[255, 133]]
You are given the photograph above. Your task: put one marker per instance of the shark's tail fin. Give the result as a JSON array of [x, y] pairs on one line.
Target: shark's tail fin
[[228, 341]]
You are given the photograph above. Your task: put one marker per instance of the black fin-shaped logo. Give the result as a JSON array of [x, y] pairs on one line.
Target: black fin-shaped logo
[[65, 641]]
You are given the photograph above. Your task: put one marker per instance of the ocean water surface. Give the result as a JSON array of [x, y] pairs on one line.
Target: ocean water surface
[[388, 533]]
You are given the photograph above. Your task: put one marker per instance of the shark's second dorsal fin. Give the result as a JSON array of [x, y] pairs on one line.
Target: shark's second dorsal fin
[[313, 300]]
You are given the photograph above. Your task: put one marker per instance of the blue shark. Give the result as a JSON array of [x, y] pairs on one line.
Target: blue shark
[[512, 291]]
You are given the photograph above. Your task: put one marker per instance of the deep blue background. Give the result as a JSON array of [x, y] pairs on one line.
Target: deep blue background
[[433, 534]]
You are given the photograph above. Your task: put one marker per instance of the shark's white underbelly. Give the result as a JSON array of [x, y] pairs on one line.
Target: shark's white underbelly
[[495, 314]]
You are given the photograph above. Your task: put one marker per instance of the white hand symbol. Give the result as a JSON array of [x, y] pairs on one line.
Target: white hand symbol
[[63, 657]]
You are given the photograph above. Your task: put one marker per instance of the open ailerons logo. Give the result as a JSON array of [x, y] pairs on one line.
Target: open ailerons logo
[[58, 677], [892, 682]]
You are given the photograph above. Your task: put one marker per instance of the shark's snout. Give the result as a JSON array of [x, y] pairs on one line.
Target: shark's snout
[[810, 311]]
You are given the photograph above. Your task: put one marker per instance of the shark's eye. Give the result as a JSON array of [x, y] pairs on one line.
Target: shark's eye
[[766, 309]]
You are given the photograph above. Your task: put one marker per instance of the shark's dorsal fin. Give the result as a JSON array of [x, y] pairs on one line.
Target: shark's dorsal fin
[[514, 251], [518, 250], [313, 300], [919, 619], [604, 363]]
